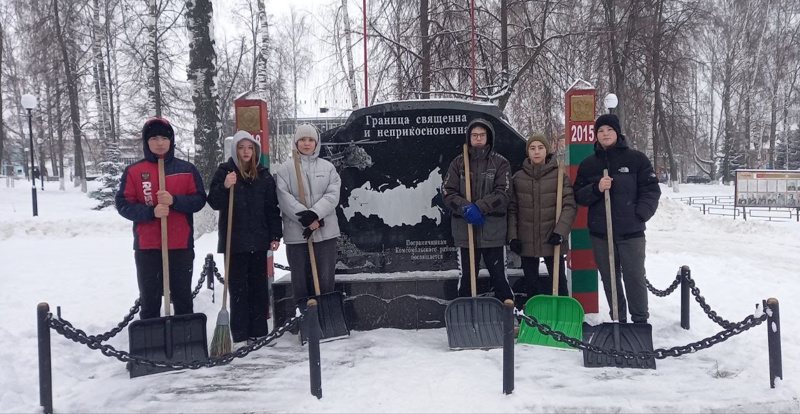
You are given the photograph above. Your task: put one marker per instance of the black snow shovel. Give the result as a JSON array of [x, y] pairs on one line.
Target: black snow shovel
[[473, 323], [180, 338], [636, 337], [332, 323]]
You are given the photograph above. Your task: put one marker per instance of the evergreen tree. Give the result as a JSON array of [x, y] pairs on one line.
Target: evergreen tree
[[112, 174], [794, 150]]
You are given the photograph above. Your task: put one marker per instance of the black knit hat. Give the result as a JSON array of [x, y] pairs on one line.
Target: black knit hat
[[610, 120], [157, 126]]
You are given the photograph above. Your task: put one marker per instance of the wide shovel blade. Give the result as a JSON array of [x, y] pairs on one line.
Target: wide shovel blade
[[474, 323], [332, 323], [180, 338], [560, 313], [633, 337]]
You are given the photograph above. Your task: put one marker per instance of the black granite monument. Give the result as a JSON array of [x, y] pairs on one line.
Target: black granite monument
[[397, 264]]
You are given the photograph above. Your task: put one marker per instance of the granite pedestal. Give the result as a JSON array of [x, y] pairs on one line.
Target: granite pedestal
[[413, 300]]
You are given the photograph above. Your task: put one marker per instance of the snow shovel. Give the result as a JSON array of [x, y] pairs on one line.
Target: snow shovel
[[636, 337], [473, 323], [561, 313], [332, 323], [180, 338]]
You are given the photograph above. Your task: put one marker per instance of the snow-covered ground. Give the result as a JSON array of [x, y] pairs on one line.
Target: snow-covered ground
[[82, 260]]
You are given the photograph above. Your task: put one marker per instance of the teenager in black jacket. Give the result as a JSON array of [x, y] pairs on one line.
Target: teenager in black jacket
[[256, 229], [634, 200]]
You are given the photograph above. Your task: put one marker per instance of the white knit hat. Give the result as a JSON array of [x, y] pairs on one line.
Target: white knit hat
[[306, 130]]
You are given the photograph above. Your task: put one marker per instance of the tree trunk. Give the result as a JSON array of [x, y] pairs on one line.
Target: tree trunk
[[351, 71], [152, 62], [202, 74], [101, 89], [2, 131], [50, 127], [74, 109], [426, 49], [727, 144], [111, 89], [263, 56], [398, 53], [60, 132], [504, 74]]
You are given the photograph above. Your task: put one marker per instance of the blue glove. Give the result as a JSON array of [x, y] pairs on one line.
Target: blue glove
[[473, 215]]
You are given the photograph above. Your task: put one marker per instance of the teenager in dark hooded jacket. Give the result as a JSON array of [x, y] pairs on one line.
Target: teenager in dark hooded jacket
[[490, 175], [634, 199], [256, 228]]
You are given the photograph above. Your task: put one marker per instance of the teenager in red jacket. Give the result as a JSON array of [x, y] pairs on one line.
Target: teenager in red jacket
[[140, 200]]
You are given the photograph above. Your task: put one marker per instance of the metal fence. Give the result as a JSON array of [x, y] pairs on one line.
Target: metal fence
[[725, 206]]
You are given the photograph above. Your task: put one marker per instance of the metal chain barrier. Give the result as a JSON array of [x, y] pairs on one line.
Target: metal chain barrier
[[282, 267], [137, 305], [706, 308], [661, 353], [66, 329], [667, 291], [217, 276], [133, 311]]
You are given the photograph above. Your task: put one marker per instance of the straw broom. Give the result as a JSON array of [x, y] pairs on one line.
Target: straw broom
[[221, 341]]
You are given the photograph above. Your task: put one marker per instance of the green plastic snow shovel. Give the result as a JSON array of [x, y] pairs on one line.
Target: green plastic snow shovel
[[561, 313]]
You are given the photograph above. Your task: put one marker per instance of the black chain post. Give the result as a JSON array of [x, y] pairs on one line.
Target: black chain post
[[311, 317], [686, 273], [207, 266], [774, 340], [45, 363], [508, 347]]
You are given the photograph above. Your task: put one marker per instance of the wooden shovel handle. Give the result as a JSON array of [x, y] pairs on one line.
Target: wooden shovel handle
[[612, 266], [228, 247], [311, 254], [470, 235], [164, 240], [557, 248]]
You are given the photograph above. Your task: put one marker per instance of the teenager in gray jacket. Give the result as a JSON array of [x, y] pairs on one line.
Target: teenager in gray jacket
[[318, 221]]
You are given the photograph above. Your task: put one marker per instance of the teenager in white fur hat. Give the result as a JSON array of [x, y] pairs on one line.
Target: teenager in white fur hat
[[318, 221]]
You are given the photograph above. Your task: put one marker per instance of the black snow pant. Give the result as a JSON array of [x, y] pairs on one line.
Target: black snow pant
[[151, 281], [543, 285], [495, 260], [249, 295], [629, 262], [300, 263]]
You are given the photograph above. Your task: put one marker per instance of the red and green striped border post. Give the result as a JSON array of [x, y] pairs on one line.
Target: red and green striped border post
[[579, 143], [251, 116]]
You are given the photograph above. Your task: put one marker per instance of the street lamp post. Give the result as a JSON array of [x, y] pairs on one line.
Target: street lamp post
[[29, 102]]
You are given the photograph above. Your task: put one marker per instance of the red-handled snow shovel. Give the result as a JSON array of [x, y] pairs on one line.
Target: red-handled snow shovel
[[636, 337], [561, 313], [332, 323], [473, 323], [180, 338]]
